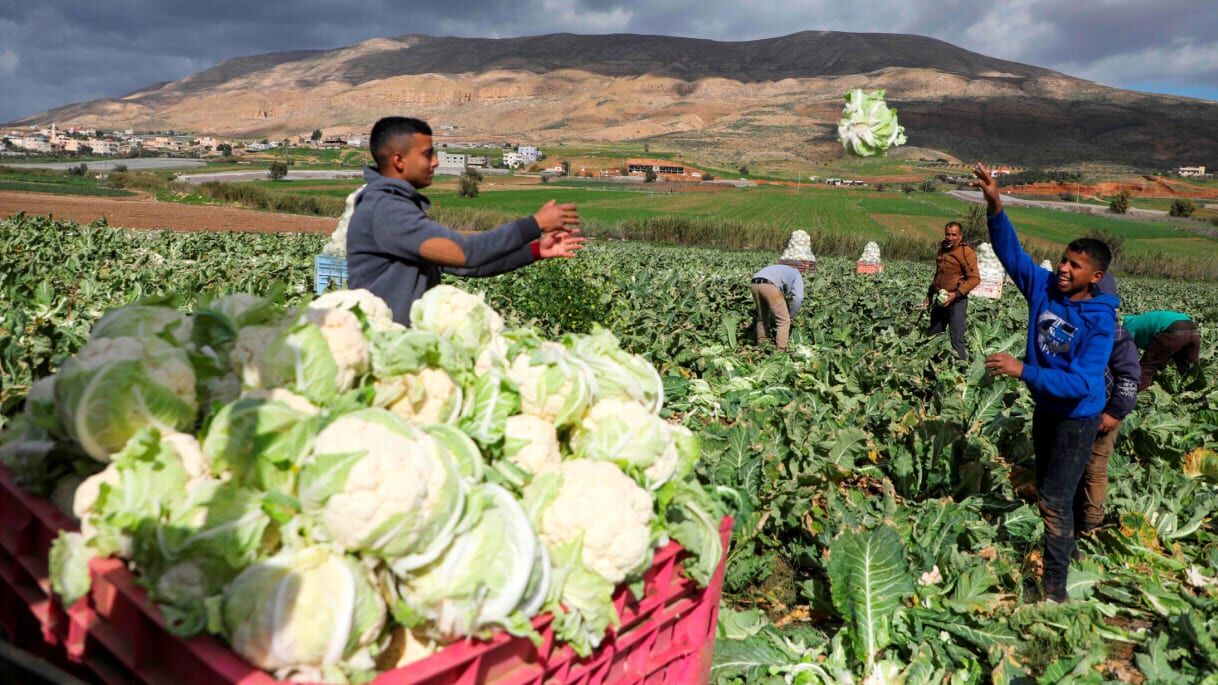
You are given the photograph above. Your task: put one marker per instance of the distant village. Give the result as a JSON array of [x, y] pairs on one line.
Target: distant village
[[455, 157]]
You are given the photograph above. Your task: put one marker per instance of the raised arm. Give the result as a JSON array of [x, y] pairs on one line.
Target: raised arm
[[522, 256], [401, 228], [1018, 264]]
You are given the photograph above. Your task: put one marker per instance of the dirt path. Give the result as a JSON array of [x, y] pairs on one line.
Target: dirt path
[[145, 212]]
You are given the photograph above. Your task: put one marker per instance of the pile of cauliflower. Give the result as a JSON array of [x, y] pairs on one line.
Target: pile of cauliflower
[[335, 494], [871, 254]]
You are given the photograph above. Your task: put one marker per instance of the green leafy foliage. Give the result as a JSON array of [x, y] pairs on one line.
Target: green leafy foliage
[[864, 427]]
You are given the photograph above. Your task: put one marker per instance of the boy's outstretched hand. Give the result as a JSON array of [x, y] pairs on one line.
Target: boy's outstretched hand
[[555, 217], [560, 244], [1003, 364], [989, 188]]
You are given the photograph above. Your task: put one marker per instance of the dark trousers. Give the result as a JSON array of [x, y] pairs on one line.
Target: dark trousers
[[1180, 343], [1063, 449], [953, 317]]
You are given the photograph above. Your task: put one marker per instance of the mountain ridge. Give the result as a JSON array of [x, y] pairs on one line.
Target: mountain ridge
[[782, 94]]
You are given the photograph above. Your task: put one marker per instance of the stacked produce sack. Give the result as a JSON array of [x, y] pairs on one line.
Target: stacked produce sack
[[337, 245], [799, 247], [870, 261], [992, 273], [335, 494], [799, 252]]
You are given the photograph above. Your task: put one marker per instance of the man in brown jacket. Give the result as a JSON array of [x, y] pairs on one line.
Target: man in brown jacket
[[955, 272]]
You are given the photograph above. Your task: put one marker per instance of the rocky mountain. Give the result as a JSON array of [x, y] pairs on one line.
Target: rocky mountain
[[750, 100]]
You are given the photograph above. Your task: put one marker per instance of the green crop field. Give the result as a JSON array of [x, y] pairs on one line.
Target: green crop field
[[832, 213], [885, 528], [55, 182]]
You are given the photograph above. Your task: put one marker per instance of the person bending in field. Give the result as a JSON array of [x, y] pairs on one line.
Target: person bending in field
[[1121, 390], [398, 253], [772, 286], [1070, 334], [955, 272], [1166, 336]]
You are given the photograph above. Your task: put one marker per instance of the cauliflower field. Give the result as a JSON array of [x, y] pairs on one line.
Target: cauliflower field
[[885, 531]]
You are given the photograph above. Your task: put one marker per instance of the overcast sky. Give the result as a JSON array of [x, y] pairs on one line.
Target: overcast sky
[[55, 52]]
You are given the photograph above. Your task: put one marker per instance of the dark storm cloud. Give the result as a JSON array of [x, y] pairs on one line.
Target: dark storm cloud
[[60, 51]]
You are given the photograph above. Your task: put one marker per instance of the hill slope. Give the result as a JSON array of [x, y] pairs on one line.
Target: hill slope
[[718, 100]]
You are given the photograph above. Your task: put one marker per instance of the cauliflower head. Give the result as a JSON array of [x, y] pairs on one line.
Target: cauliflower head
[[609, 512], [626, 433], [464, 318], [422, 398], [376, 312], [531, 443], [554, 384], [115, 386], [381, 486], [251, 343]]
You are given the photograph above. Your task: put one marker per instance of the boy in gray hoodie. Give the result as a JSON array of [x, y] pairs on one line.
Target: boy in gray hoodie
[[395, 251]]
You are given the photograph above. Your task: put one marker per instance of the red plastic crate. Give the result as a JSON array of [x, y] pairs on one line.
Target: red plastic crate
[[665, 638], [805, 266]]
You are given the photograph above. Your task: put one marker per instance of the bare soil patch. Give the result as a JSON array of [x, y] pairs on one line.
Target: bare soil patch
[[1149, 186], [145, 212]]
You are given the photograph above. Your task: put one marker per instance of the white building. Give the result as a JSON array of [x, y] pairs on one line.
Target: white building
[[512, 160], [528, 154], [33, 144], [448, 159], [1191, 171], [102, 147], [477, 160]]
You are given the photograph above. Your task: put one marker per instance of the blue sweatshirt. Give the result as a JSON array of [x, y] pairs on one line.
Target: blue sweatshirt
[[1069, 342], [387, 232], [789, 281]]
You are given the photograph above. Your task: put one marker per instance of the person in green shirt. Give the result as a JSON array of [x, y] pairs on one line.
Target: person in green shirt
[[1165, 336]]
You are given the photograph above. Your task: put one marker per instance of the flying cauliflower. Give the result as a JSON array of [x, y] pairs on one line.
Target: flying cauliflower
[[868, 127]]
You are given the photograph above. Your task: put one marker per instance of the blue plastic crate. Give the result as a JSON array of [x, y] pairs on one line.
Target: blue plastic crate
[[329, 272]]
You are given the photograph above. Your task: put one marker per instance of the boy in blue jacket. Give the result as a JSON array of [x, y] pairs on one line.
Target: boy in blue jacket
[[1070, 334]]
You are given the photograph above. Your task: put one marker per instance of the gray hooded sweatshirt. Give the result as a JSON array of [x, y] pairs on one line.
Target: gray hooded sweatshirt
[[388, 229]]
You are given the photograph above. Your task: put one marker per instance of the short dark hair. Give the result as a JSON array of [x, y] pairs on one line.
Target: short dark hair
[[1096, 250], [386, 129], [953, 223]]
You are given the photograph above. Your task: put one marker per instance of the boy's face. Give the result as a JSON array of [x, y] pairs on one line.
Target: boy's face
[[417, 160], [1076, 273]]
